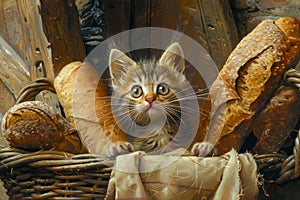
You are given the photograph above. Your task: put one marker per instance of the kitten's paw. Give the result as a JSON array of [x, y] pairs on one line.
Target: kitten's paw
[[119, 148], [202, 149]]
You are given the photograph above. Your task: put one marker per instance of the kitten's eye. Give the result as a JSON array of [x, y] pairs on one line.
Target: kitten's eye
[[163, 89], [136, 91]]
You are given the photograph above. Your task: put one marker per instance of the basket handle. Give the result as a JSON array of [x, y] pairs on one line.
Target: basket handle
[[290, 168], [29, 92]]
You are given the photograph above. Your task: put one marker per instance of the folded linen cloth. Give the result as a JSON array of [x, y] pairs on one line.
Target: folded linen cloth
[[140, 176]]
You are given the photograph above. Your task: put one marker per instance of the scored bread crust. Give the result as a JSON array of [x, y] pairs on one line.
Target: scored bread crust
[[33, 125], [34, 110], [250, 76], [274, 124]]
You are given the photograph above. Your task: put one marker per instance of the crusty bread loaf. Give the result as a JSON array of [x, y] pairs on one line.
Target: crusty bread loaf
[[33, 110], [87, 106], [275, 123], [290, 26], [33, 135], [33, 125], [249, 78], [64, 80]]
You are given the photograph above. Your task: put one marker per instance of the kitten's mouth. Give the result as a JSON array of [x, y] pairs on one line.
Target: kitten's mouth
[[148, 108]]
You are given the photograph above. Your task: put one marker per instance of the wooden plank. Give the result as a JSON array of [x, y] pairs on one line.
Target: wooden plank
[[11, 25], [167, 14], [13, 70], [117, 16], [45, 33], [212, 24], [24, 31], [60, 23], [7, 99], [249, 14]]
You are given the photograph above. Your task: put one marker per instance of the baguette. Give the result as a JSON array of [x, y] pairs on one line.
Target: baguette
[[247, 81], [87, 106], [62, 82], [274, 124]]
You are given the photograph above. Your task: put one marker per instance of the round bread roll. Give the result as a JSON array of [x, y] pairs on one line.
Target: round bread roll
[[31, 110], [33, 125], [33, 135]]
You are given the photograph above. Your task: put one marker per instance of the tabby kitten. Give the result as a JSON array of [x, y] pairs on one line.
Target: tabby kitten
[[150, 100]]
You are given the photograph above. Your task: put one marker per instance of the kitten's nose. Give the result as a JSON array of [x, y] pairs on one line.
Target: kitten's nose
[[150, 99]]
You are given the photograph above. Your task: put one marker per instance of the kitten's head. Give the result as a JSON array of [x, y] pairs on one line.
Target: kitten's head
[[148, 91]]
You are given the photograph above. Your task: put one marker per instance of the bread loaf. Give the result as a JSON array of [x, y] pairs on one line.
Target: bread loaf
[[249, 78], [87, 106], [33, 135], [275, 123], [33, 125], [63, 84]]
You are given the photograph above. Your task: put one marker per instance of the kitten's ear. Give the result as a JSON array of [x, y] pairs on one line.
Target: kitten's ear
[[173, 56], [119, 63]]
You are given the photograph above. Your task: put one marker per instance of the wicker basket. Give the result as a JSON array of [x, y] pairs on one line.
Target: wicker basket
[[60, 175], [54, 175]]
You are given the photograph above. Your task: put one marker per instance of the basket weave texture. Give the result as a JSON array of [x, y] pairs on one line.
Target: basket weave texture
[[54, 175]]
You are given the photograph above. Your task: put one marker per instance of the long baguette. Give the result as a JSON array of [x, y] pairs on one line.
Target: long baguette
[[87, 106], [249, 78]]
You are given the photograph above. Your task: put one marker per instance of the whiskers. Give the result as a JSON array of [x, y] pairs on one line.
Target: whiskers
[[174, 107], [188, 94], [181, 101]]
